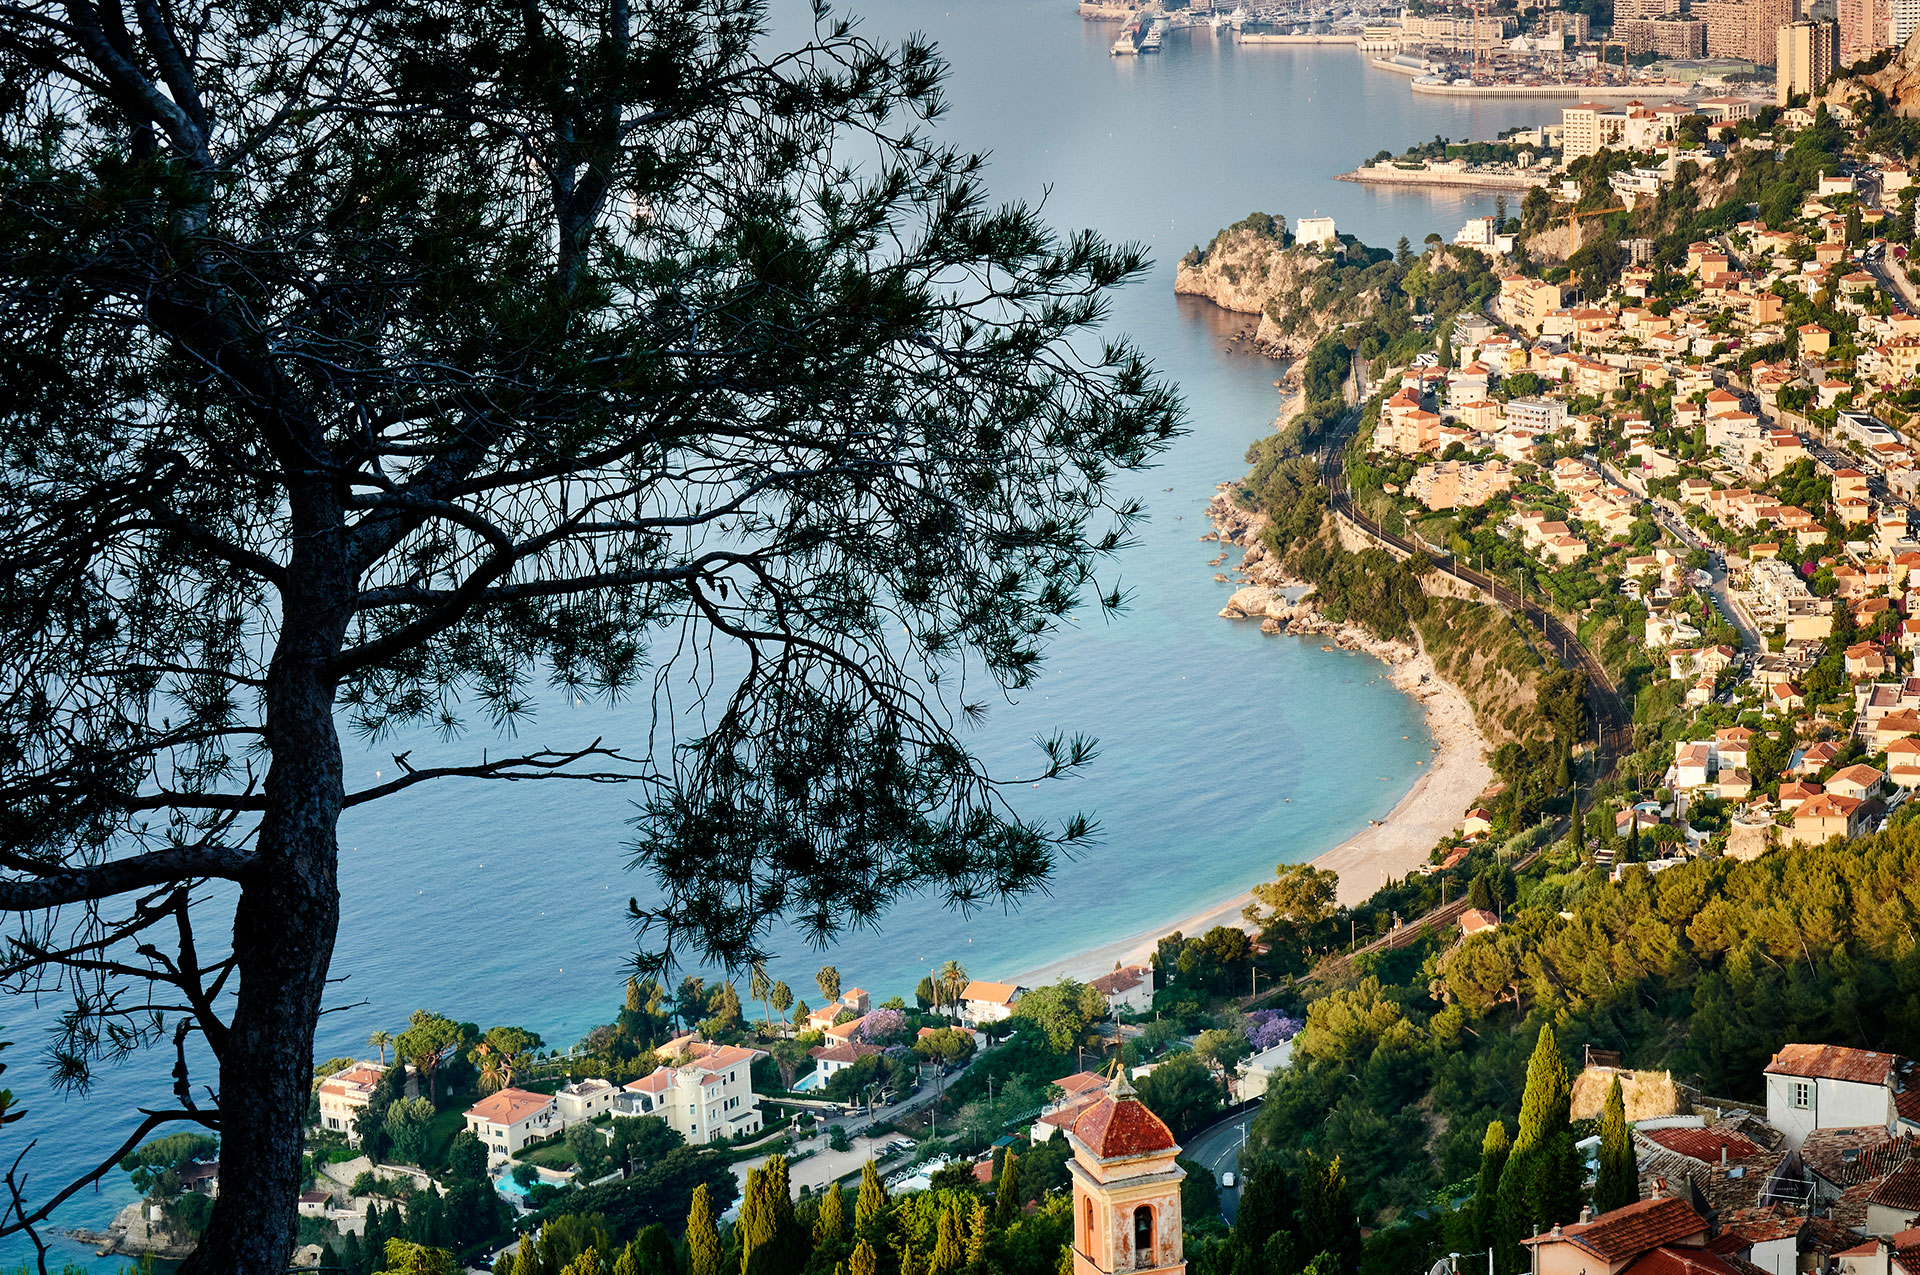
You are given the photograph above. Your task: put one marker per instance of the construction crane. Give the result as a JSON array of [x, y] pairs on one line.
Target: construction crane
[[1594, 212]]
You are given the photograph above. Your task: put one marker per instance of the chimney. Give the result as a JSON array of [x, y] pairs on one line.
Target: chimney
[[1556, 1230], [1586, 1214], [1723, 1155]]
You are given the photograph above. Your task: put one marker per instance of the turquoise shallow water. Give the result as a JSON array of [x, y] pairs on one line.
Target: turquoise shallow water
[[501, 904]]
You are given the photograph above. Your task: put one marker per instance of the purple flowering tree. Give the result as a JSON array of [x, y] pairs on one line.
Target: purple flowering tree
[[881, 1026]]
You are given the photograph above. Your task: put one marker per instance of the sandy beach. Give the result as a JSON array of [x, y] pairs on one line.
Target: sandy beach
[[1446, 788]]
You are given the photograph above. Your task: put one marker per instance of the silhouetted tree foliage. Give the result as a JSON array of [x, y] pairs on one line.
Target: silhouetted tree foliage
[[400, 364]]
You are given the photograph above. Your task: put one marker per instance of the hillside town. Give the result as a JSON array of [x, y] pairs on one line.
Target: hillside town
[[1716, 447]]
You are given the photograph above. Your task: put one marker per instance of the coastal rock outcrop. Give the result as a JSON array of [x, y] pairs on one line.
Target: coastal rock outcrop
[[135, 1232], [1246, 268]]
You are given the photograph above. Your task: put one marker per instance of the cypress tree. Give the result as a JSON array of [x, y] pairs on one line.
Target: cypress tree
[[909, 1265], [1534, 1190], [946, 1246], [864, 1260], [1493, 1158], [1006, 1196], [704, 1254], [1480, 894], [1327, 1219], [526, 1261], [653, 1251], [625, 1264], [830, 1224], [1632, 854], [1617, 1184], [755, 1232], [1579, 830], [870, 1206], [790, 1247], [977, 1237]]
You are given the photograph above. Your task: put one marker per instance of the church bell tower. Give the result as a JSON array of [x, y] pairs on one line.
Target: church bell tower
[[1126, 1187]]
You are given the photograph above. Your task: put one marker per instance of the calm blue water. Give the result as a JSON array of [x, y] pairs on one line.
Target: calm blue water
[[503, 904]]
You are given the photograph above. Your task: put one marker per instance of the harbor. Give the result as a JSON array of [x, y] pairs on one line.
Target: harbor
[[1477, 55], [1142, 35]]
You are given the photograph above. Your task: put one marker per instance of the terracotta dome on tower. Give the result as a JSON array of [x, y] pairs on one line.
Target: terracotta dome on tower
[[1119, 1125]]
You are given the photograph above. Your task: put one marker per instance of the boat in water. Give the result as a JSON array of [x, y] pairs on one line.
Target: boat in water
[[1155, 33]]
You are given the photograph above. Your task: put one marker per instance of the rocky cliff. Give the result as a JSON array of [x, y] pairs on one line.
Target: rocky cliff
[[1248, 270], [1898, 81]]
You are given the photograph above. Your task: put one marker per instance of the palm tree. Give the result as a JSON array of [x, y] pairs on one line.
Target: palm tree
[[496, 1068], [760, 987], [380, 1041], [953, 980]]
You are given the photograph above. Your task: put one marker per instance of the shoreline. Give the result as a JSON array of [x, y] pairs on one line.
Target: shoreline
[[1455, 775]]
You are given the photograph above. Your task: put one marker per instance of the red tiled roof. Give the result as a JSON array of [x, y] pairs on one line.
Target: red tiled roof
[[1121, 980], [509, 1106], [1118, 1125], [1474, 920], [1833, 1062], [1703, 1145], [1849, 1157], [847, 1052], [993, 993], [1687, 1261], [1757, 1226], [1899, 1189], [1906, 1100], [1619, 1235], [1081, 1082]]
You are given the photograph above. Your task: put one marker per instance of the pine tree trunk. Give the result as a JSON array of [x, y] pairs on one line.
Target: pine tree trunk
[[287, 916]]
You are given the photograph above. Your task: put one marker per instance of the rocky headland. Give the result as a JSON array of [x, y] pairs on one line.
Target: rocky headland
[[1248, 268]]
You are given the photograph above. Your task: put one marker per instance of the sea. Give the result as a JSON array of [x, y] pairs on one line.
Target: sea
[[1223, 752]]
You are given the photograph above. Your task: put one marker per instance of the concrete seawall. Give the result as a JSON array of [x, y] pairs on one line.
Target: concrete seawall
[[1468, 181]]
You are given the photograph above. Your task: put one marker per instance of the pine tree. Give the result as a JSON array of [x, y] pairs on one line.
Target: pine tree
[[1617, 1184], [946, 1247], [1493, 1158], [704, 1254], [977, 1237], [870, 1206], [830, 1225], [1006, 1196], [864, 1260]]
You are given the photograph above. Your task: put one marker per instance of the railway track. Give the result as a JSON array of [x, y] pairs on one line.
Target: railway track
[[1613, 722]]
